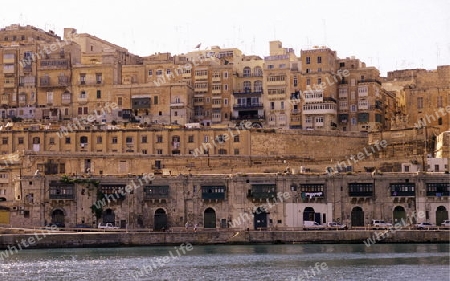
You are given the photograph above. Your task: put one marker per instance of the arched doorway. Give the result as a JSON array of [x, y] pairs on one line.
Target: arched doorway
[[160, 220], [399, 214], [109, 216], [58, 218], [260, 218], [209, 218], [309, 214], [357, 216], [441, 215]]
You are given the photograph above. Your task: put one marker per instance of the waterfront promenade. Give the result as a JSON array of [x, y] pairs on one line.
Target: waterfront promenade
[[118, 238]]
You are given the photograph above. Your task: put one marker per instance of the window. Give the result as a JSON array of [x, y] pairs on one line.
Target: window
[[270, 66], [99, 94], [319, 59], [191, 138], [308, 81], [119, 101], [159, 138], [439, 102], [225, 101], [319, 81], [308, 60], [85, 110], [225, 87], [82, 94], [99, 139], [129, 140], [168, 71], [159, 151], [20, 140], [319, 70], [419, 102], [272, 105], [155, 100], [236, 151], [353, 108], [205, 139], [282, 104], [225, 74], [98, 78], [51, 141], [150, 72], [114, 140], [159, 72], [82, 78], [360, 189], [295, 81], [236, 138], [222, 151], [4, 140], [67, 141], [144, 139]]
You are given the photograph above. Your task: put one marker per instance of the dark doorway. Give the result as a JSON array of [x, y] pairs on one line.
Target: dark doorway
[[260, 218], [160, 220], [308, 214], [58, 218], [109, 217], [209, 218], [441, 215], [357, 216], [398, 214]]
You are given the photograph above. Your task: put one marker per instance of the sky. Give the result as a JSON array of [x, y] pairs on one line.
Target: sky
[[387, 34]]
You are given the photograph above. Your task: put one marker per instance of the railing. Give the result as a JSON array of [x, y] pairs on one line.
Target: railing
[[244, 106]]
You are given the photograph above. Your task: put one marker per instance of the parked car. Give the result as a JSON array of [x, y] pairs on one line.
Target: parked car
[[446, 224], [425, 225], [336, 225], [312, 225], [107, 225], [380, 224], [83, 225], [57, 224]]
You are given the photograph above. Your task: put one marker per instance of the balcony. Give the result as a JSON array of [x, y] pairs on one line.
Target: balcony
[[10, 83], [248, 92], [248, 106], [27, 68], [216, 91], [156, 192], [218, 105], [213, 192], [201, 77], [276, 83], [216, 79], [5, 99], [9, 58], [369, 81], [54, 64], [63, 81], [296, 111], [186, 75], [319, 110], [177, 104], [262, 191], [44, 82]]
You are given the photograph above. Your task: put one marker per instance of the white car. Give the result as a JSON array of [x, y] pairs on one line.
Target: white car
[[335, 225], [107, 225], [445, 224], [312, 225], [425, 225], [376, 224]]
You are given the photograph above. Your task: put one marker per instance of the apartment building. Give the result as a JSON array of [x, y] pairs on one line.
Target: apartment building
[[319, 88], [426, 96], [248, 91], [363, 104], [277, 85]]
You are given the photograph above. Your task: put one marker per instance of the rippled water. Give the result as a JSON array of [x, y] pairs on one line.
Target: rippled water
[[249, 262]]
